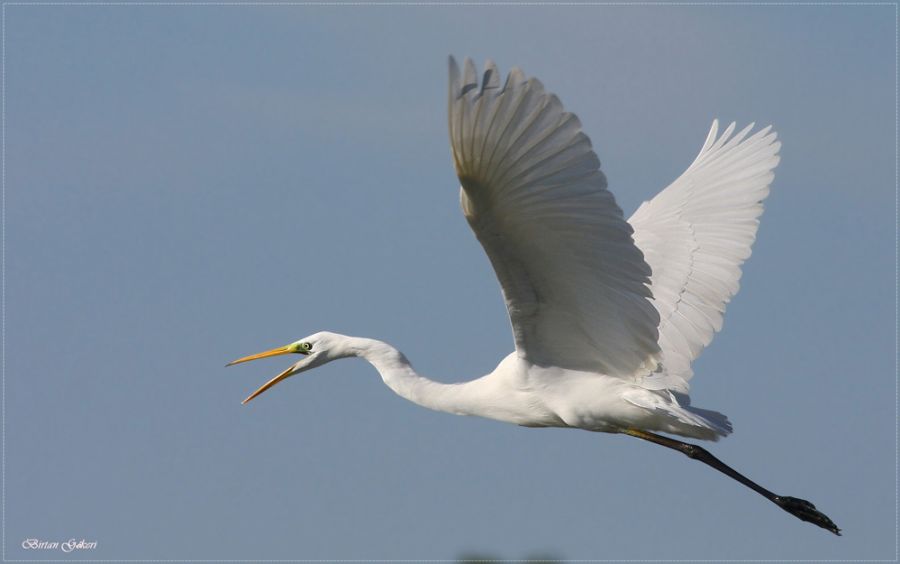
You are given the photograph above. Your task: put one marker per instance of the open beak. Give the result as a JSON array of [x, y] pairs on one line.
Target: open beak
[[269, 384], [287, 349]]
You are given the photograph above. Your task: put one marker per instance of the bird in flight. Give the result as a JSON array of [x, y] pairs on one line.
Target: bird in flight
[[607, 314]]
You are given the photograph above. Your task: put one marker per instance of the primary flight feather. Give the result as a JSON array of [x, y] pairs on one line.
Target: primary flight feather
[[607, 314]]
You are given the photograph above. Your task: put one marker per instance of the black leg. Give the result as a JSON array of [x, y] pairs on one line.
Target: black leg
[[799, 508]]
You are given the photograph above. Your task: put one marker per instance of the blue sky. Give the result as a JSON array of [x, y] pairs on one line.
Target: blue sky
[[190, 184]]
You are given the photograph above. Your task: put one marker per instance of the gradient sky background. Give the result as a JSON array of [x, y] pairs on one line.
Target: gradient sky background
[[190, 184]]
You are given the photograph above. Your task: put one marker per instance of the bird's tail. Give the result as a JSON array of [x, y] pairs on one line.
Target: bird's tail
[[674, 414], [713, 420]]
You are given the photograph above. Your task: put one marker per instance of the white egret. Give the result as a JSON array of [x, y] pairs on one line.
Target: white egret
[[607, 314]]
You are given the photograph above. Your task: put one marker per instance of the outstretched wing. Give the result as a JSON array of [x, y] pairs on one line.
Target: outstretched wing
[[695, 235], [575, 284]]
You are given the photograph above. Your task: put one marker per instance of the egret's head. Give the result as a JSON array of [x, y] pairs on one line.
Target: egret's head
[[315, 350]]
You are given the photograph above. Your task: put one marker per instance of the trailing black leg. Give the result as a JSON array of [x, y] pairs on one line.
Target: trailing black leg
[[799, 508]]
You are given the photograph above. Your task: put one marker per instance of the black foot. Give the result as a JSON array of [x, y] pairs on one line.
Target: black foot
[[802, 509]]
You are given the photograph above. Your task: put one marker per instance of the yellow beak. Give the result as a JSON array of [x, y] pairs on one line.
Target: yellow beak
[[274, 352], [269, 384], [287, 349]]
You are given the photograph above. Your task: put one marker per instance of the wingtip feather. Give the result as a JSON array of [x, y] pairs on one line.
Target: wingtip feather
[[454, 76], [490, 77], [470, 76]]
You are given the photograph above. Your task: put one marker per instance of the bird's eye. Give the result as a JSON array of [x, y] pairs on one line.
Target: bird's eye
[[305, 347]]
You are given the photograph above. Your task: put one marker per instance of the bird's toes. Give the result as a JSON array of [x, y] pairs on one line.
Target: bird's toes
[[806, 511]]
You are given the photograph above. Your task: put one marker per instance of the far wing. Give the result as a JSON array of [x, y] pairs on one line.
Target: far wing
[[574, 282], [695, 235]]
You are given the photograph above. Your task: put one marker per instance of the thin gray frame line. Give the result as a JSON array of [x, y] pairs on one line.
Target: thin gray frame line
[[455, 561], [896, 284], [3, 282], [444, 3]]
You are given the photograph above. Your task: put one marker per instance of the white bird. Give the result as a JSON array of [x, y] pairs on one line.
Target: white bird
[[607, 314]]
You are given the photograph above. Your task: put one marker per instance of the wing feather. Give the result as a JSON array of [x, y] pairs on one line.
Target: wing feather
[[577, 278], [695, 235], [575, 284]]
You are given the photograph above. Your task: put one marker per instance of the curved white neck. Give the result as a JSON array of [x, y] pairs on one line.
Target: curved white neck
[[399, 375]]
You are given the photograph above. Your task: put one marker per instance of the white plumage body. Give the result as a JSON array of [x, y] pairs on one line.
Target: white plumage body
[[525, 394]]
